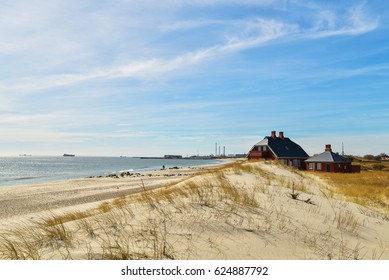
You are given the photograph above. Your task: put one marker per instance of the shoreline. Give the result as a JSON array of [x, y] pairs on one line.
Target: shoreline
[[27, 201], [57, 176]]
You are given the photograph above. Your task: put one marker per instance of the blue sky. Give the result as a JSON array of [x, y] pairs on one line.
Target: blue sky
[[152, 77]]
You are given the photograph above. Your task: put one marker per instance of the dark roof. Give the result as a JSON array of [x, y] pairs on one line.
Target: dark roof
[[283, 147], [328, 156]]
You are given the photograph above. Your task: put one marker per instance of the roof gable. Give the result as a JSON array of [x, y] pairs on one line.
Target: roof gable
[[283, 147]]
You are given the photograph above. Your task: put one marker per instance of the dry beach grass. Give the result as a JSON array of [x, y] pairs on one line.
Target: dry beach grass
[[369, 188], [239, 210]]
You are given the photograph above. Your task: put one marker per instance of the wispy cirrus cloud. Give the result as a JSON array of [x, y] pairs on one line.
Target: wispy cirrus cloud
[[49, 136], [254, 34], [355, 21], [185, 25], [239, 35]]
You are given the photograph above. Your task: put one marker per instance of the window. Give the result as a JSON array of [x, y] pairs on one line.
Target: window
[[264, 148], [311, 166], [319, 166]]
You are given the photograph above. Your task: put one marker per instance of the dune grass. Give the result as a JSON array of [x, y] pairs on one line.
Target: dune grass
[[111, 226], [368, 188], [153, 224]]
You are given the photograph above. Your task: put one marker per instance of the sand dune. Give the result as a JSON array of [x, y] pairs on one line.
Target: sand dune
[[255, 210]]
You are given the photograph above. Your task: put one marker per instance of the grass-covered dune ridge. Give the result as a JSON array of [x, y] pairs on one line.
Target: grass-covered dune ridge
[[242, 210]]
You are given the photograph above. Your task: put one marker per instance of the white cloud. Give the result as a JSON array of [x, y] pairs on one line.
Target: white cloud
[[354, 22], [189, 24], [39, 135], [240, 35], [42, 135], [258, 32]]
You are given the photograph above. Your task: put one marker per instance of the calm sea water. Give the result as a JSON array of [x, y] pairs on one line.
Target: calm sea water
[[27, 170]]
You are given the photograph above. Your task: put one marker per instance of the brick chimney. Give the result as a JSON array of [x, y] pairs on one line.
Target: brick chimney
[[281, 134], [328, 148], [273, 134]]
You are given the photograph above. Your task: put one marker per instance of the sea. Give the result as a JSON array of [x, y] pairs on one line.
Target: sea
[[32, 169]]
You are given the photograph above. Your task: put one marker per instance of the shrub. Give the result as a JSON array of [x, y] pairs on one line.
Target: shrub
[[368, 157]]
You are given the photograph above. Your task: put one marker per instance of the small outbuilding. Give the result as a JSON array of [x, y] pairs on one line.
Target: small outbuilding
[[281, 148], [328, 161]]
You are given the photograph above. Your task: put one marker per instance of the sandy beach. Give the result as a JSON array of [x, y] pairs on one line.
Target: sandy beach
[[27, 201], [246, 210]]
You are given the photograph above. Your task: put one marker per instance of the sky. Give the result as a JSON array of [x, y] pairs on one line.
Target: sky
[[149, 78]]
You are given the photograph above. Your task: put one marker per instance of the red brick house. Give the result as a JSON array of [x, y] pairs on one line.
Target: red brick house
[[281, 148], [328, 161]]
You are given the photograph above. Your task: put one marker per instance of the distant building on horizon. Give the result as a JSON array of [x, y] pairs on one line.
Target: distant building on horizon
[[173, 156], [281, 148]]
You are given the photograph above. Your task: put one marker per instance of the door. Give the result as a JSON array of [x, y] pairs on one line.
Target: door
[[328, 167]]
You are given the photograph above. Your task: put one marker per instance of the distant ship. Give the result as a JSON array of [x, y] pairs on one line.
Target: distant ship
[[68, 155]]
